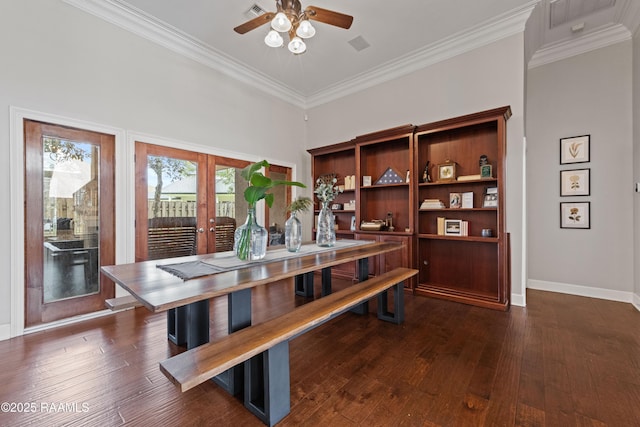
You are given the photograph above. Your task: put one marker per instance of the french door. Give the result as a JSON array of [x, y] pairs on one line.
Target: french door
[[187, 203], [69, 221]]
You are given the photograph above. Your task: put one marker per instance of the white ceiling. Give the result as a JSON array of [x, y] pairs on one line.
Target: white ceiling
[[403, 35]]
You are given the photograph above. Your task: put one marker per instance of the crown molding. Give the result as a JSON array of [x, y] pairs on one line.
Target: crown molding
[[602, 37], [137, 22], [125, 16], [485, 33]]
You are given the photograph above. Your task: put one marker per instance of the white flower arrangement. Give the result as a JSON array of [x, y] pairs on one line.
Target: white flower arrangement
[[326, 190]]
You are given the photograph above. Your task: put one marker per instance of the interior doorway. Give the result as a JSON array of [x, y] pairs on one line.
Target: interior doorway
[[69, 220]]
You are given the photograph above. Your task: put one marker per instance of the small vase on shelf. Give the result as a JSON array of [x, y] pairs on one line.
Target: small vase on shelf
[[250, 239], [326, 232], [293, 233]]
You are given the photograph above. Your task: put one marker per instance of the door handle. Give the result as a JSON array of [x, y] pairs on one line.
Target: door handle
[[212, 229], [201, 230]]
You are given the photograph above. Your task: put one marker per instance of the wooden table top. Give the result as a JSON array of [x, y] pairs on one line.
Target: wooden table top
[[159, 290]]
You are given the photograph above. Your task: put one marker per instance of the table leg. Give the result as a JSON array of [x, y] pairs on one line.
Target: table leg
[[363, 274], [198, 321], [326, 281], [239, 317], [304, 285], [189, 325], [177, 325]]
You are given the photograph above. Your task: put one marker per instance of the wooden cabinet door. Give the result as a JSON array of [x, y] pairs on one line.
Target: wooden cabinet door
[[400, 258]]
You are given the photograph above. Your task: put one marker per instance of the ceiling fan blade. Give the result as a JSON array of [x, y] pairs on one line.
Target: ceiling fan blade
[[329, 17], [254, 23]]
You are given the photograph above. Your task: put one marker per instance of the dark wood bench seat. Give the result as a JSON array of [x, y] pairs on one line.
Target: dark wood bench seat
[[267, 344], [120, 303]]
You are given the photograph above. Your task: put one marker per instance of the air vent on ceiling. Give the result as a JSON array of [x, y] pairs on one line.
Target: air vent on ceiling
[[254, 11], [564, 11], [359, 43]]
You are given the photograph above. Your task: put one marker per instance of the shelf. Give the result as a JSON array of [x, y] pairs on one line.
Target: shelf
[[459, 238], [373, 186], [391, 233], [471, 181], [337, 211], [458, 209], [338, 232]]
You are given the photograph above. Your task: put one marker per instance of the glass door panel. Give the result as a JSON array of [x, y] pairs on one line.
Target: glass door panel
[[71, 212]]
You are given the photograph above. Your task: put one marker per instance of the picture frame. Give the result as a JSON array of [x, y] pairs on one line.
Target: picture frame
[[490, 199], [575, 182], [486, 172], [447, 171], [575, 149], [353, 223], [455, 200], [453, 227], [575, 215], [366, 181]]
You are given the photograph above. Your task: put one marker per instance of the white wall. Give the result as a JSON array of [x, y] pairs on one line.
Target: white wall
[[489, 77], [584, 94], [62, 61]]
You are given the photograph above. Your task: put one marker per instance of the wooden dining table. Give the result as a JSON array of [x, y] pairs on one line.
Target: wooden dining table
[[187, 301]]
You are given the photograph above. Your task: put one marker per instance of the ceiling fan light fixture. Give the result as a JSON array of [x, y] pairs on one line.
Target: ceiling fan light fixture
[[273, 39], [305, 30], [281, 23], [297, 46]]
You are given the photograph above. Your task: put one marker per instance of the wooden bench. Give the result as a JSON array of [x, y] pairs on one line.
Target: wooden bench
[[121, 303], [264, 347]]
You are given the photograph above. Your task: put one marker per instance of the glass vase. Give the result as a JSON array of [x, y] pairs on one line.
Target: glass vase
[[250, 239], [325, 231], [293, 233]]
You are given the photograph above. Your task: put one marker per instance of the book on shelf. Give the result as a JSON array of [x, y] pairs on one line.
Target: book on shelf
[[452, 227], [468, 177], [467, 200], [432, 204], [440, 226]]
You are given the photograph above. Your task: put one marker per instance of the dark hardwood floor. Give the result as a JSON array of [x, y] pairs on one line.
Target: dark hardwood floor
[[562, 361]]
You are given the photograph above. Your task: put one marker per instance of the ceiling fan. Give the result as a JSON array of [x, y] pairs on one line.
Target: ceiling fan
[[290, 18]]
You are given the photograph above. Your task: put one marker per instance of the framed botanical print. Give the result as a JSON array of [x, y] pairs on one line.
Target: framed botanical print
[[574, 149], [575, 215], [575, 182]]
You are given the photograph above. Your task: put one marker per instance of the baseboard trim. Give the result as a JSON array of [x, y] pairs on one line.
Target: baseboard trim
[[584, 291], [636, 301], [518, 300], [5, 331]]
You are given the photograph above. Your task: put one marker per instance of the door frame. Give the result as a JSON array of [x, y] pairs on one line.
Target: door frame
[[17, 175], [37, 310]]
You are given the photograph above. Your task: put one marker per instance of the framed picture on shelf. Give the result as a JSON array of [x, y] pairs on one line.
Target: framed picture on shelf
[[485, 172], [490, 199], [575, 215], [574, 149], [575, 182], [447, 171], [455, 200], [453, 227], [353, 223]]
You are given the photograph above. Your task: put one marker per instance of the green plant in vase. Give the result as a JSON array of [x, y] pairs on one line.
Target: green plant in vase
[[250, 239]]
